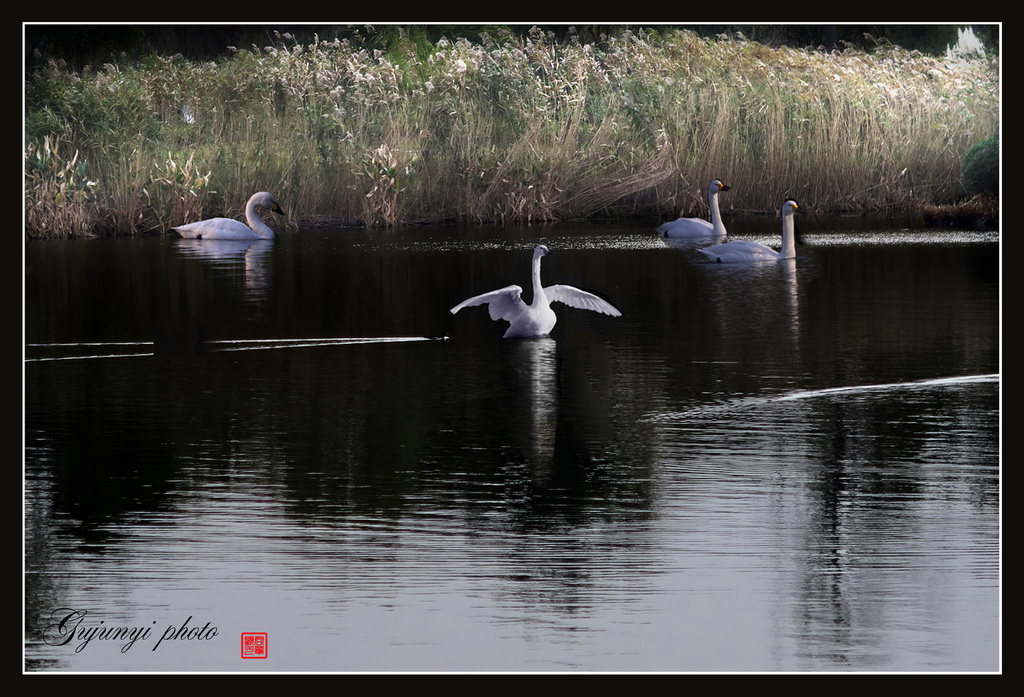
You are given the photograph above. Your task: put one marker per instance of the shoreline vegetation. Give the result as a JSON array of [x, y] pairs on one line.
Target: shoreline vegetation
[[509, 129]]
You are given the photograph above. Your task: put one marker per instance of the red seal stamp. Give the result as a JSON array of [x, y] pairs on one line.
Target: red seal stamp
[[254, 645]]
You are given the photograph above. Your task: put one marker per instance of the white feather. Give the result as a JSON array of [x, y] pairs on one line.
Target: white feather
[[231, 229], [698, 227], [536, 319], [745, 251]]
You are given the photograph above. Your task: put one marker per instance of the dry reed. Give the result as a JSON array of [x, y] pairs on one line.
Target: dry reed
[[505, 129]]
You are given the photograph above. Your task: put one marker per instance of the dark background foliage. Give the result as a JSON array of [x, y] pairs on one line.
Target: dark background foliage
[[91, 44]]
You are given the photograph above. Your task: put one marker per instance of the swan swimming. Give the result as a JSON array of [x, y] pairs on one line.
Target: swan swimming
[[536, 319], [698, 227], [231, 229], [739, 251]]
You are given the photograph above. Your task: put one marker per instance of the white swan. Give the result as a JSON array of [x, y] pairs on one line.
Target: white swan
[[231, 229], [536, 319], [698, 227], [740, 251]]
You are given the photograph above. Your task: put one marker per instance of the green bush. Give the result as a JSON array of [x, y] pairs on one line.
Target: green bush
[[981, 167]]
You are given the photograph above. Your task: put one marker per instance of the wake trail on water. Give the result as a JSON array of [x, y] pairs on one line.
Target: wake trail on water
[[212, 346], [753, 402]]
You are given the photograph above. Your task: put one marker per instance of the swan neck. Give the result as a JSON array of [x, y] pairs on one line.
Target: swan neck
[[538, 288], [788, 237], [252, 217], [716, 215]]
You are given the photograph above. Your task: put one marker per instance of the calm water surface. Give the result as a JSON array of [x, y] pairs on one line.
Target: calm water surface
[[787, 467]]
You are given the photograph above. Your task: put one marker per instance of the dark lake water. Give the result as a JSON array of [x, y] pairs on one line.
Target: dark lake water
[[786, 467]]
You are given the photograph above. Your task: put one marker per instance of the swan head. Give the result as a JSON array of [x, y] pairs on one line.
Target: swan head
[[541, 251], [716, 186], [267, 200]]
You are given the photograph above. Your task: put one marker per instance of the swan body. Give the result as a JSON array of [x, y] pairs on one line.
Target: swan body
[[231, 229], [745, 251], [536, 319], [698, 227]]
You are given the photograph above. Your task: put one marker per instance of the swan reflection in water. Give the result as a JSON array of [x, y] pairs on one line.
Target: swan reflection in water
[[244, 259], [757, 304], [536, 364], [254, 256], [790, 296]]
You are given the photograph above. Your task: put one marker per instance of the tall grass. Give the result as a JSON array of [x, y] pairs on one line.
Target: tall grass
[[503, 129]]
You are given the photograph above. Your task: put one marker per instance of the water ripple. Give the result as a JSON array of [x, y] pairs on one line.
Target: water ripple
[[754, 402]]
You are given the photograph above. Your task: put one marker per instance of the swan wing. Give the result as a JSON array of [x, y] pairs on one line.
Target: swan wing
[[740, 251], [188, 232], [504, 303], [216, 229], [687, 227], [580, 299]]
